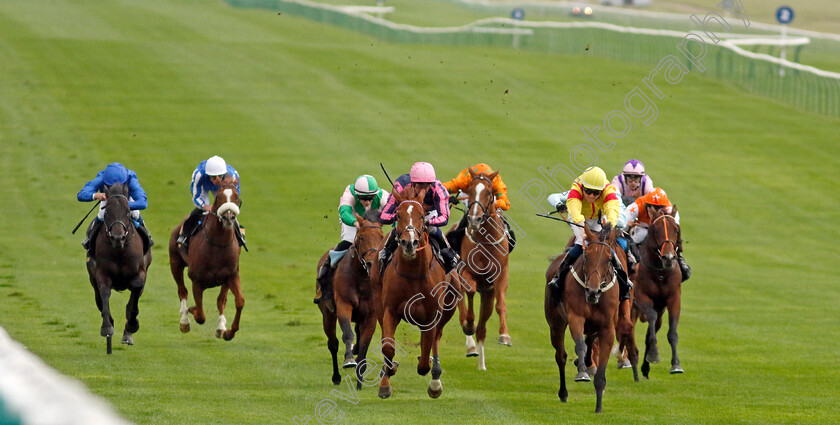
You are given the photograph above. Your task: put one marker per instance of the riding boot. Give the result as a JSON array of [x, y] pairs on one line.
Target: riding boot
[[456, 235], [450, 259], [684, 268], [558, 281], [387, 251], [624, 283], [91, 233], [145, 233], [189, 226], [323, 289], [511, 235]]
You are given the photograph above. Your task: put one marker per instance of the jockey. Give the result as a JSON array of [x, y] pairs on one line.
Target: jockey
[[460, 183], [359, 198], [589, 194], [632, 182], [637, 217], [422, 176], [95, 190], [206, 179]]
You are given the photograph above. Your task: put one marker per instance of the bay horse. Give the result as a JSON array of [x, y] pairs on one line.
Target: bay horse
[[588, 305], [416, 289], [484, 251], [353, 297], [212, 259], [118, 262], [659, 285]]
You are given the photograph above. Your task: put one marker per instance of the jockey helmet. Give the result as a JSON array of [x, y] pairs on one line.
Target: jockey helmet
[[215, 166], [593, 178], [657, 197], [365, 185], [115, 173], [482, 168], [422, 172], [634, 167]]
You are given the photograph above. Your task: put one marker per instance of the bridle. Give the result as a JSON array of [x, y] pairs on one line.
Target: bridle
[[604, 286], [667, 239], [361, 256], [410, 228], [485, 216], [109, 227]]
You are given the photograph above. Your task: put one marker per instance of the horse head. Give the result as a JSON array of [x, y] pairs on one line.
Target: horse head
[[117, 215], [663, 235], [482, 201], [368, 238], [411, 222], [226, 202], [599, 275]]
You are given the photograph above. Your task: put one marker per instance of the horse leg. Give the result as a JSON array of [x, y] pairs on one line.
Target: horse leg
[[468, 325], [651, 351], [365, 334], [624, 331], [198, 309], [484, 313], [435, 386], [389, 326], [593, 351], [132, 310], [427, 339], [239, 300], [557, 341], [673, 321], [103, 284], [221, 302], [358, 336], [328, 322], [343, 311], [176, 266], [500, 288], [576, 329], [606, 336]]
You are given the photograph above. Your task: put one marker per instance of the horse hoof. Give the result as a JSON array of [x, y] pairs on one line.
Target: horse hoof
[[677, 369], [652, 358], [219, 333], [185, 328], [592, 370], [349, 364], [505, 340], [106, 331], [582, 377], [129, 340], [384, 392], [435, 388], [472, 352], [624, 364], [227, 335]]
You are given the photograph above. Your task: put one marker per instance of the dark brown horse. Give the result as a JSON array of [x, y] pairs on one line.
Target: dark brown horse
[[659, 285], [588, 305], [484, 252], [415, 288], [118, 263], [212, 259], [353, 297]]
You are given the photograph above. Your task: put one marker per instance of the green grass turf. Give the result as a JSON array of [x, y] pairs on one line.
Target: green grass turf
[[301, 109]]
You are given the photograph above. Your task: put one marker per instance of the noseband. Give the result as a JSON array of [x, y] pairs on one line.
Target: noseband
[[604, 285], [411, 228], [361, 256], [484, 208]]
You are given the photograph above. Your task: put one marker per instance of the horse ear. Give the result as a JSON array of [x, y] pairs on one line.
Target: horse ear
[[650, 210], [357, 217], [612, 235], [493, 175], [674, 210], [472, 173], [398, 198], [588, 232]]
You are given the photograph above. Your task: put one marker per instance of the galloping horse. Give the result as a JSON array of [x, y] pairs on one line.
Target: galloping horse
[[353, 297], [588, 304], [485, 252], [212, 258], [118, 262], [659, 285], [415, 289]]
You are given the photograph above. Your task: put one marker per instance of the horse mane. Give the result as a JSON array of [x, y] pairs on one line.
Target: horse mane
[[604, 234], [372, 215], [411, 193]]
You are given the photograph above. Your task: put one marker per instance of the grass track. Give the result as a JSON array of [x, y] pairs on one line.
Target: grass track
[[301, 109]]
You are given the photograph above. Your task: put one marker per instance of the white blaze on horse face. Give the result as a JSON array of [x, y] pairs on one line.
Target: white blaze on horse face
[[478, 189], [228, 194], [410, 220]]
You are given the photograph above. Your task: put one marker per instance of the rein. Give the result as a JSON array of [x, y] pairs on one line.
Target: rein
[[126, 227], [361, 256], [411, 228], [655, 267]]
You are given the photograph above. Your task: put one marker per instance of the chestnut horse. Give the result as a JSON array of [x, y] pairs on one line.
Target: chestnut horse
[[588, 305], [353, 297], [659, 285], [118, 262], [484, 251], [415, 288], [212, 258]]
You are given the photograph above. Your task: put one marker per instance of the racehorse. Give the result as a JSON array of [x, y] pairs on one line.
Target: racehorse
[[212, 259], [659, 285], [588, 305], [415, 288], [353, 296], [484, 251], [118, 262]]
